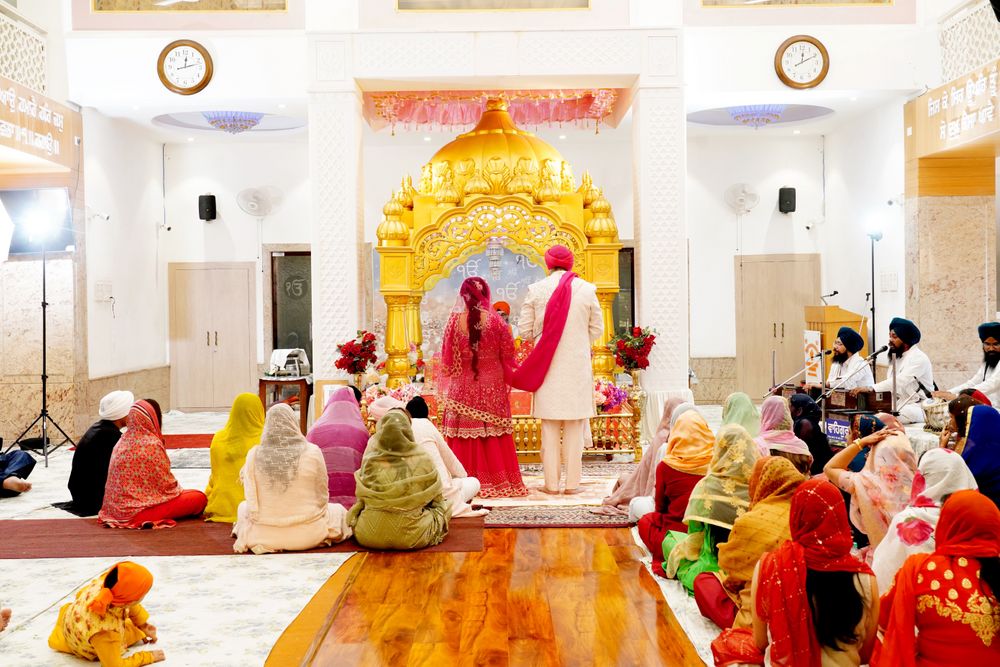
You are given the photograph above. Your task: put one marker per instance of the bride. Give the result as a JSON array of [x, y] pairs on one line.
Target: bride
[[477, 359]]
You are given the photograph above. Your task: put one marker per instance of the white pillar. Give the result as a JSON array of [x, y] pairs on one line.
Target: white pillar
[[659, 136], [335, 133]]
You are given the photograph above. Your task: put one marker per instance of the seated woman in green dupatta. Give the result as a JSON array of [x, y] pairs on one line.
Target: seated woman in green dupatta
[[400, 502], [716, 501]]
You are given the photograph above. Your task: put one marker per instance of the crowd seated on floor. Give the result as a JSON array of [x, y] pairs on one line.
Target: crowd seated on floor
[[802, 555]]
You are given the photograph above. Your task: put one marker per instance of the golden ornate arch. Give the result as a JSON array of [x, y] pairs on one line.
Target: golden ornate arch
[[495, 181]]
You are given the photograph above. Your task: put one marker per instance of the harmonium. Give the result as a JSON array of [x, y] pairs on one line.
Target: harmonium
[[841, 399], [786, 391]]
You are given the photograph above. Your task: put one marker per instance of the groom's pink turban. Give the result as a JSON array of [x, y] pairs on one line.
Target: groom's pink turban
[[559, 257]]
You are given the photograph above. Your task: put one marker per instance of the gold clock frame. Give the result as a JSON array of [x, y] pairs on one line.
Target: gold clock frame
[[209, 67], [781, 52]]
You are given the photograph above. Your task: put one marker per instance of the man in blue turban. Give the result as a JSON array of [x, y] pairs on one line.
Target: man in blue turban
[[849, 370], [914, 375], [987, 376]]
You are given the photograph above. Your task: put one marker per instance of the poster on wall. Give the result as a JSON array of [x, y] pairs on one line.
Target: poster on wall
[[812, 346], [488, 5], [765, 3], [159, 6]]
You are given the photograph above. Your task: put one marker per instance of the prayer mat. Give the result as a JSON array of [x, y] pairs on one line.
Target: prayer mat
[[187, 440], [577, 516], [190, 458], [596, 483], [86, 538]]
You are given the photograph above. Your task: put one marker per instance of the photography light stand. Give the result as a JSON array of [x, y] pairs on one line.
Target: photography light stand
[[43, 416]]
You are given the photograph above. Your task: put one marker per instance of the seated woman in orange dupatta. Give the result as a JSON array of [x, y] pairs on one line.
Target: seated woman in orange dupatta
[[814, 604], [943, 608], [724, 596], [106, 618], [689, 451], [642, 480], [141, 491]]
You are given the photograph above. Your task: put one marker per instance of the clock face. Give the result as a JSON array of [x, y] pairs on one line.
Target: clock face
[[802, 63], [185, 67]]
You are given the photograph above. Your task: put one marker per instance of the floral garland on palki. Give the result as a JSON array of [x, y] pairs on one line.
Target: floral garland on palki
[[632, 348]]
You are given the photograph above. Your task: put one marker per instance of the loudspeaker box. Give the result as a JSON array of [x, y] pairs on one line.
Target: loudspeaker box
[[786, 200], [206, 207]]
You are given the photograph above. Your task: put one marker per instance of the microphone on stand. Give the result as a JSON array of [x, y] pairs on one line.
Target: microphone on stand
[[821, 353], [924, 389], [876, 353]]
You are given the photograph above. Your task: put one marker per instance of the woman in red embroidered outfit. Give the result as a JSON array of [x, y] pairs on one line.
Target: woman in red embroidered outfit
[[942, 609], [141, 491], [478, 358]]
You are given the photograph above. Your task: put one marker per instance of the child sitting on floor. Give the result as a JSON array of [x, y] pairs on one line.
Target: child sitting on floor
[[106, 619]]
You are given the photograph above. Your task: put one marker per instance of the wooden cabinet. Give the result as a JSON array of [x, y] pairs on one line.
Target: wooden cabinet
[[212, 334]]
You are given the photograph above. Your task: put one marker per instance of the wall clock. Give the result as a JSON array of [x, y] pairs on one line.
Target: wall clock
[[185, 67], [801, 62]]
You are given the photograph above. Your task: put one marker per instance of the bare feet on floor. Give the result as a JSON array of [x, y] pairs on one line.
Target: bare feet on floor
[[570, 492], [4, 618], [16, 484], [548, 491]]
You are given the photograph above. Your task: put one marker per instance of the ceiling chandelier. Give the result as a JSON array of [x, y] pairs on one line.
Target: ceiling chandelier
[[233, 122], [757, 115]]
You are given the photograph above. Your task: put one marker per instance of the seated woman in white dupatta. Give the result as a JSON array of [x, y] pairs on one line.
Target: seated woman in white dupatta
[[287, 493]]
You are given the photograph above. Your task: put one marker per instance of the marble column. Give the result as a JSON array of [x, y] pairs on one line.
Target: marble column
[[658, 140], [950, 261], [335, 133]]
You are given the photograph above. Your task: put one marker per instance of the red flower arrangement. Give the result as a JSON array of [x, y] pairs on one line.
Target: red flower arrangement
[[632, 348], [358, 354]]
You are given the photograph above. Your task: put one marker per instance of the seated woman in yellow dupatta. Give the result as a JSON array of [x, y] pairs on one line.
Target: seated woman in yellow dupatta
[[401, 502], [106, 619], [228, 453], [724, 596], [716, 502]]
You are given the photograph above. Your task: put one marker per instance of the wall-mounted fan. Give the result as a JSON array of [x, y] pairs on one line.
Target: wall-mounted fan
[[741, 197], [259, 202]]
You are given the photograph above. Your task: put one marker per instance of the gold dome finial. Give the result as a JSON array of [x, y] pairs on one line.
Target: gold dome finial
[[407, 192], [446, 193], [601, 228], [587, 189], [393, 231], [498, 103]]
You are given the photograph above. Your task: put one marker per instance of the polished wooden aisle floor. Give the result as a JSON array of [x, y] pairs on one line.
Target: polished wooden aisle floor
[[531, 597]]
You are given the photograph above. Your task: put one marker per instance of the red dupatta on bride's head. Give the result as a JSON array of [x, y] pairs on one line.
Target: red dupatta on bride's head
[[821, 541]]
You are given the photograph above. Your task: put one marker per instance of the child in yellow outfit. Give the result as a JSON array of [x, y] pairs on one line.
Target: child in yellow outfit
[[106, 619]]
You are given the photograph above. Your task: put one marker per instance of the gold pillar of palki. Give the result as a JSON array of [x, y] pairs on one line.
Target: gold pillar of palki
[[495, 181]]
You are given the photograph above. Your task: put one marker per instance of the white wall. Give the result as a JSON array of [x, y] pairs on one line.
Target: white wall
[[865, 169], [122, 179], [223, 169], [766, 162]]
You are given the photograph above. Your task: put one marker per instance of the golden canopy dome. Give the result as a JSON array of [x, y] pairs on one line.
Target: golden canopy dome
[[498, 158]]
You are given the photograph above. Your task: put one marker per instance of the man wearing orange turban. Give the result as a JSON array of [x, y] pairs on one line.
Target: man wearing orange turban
[[562, 315]]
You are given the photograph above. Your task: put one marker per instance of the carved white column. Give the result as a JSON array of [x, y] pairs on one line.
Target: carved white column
[[661, 238], [335, 133]]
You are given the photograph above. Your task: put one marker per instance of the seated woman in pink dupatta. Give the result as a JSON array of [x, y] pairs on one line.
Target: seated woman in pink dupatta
[[776, 437], [341, 436]]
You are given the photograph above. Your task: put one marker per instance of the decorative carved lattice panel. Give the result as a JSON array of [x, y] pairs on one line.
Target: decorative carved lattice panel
[[463, 232], [969, 40], [22, 54]]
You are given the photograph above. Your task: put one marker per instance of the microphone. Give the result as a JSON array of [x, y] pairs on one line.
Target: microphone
[[821, 354], [833, 293], [877, 352], [927, 392]]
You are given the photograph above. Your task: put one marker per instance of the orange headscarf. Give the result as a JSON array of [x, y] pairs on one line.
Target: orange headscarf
[[502, 306], [134, 581], [690, 446]]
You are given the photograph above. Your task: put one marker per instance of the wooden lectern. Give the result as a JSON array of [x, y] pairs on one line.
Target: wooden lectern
[[828, 319]]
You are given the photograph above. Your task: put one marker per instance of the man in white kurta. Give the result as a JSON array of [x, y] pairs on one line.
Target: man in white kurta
[[987, 377], [914, 374], [565, 401], [849, 370]]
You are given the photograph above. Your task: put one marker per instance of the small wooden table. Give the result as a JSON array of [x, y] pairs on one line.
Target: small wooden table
[[270, 384]]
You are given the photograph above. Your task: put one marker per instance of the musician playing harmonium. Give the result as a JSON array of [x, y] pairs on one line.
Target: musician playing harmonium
[[849, 370], [914, 374]]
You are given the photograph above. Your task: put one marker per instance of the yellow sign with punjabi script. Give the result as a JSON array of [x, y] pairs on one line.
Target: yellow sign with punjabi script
[[958, 113]]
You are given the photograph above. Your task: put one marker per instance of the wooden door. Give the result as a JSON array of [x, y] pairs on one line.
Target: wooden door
[[772, 292], [212, 334], [233, 319]]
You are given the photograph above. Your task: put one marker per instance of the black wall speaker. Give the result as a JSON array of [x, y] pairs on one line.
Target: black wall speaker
[[786, 200], [206, 206]]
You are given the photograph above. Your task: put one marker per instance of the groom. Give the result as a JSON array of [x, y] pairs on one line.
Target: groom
[[562, 315]]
